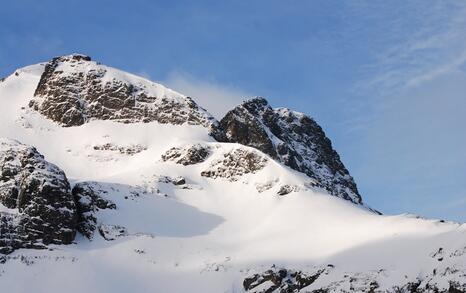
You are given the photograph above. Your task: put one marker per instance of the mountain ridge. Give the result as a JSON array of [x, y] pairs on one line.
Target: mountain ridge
[[73, 89]]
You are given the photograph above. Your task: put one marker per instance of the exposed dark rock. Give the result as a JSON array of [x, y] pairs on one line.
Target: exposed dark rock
[[179, 181], [291, 138], [124, 150], [112, 232], [285, 280], [188, 155], [282, 280], [89, 200], [456, 287], [73, 90], [235, 164], [418, 286], [286, 189], [38, 193]]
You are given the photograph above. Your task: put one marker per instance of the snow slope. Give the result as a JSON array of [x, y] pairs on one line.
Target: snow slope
[[209, 233]]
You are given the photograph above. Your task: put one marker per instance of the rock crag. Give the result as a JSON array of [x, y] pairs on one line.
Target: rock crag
[[41, 209], [292, 138]]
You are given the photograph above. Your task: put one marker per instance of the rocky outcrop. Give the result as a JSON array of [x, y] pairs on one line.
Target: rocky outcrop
[[40, 207], [112, 232], [89, 201], [188, 155], [292, 138], [74, 90], [281, 280], [286, 189], [326, 280], [235, 164], [124, 150]]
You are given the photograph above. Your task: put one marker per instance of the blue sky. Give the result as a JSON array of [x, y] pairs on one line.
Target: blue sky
[[385, 79]]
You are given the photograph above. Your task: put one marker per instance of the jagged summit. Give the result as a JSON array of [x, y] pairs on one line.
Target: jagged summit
[[292, 138], [73, 90]]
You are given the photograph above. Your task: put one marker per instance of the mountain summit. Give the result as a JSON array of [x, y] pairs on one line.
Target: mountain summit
[[73, 90]]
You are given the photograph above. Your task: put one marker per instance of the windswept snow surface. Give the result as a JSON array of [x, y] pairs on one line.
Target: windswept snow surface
[[205, 235]]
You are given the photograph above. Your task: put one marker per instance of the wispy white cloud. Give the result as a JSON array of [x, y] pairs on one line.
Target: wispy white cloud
[[144, 74], [410, 107], [33, 43], [413, 44], [450, 67], [434, 46], [217, 98]]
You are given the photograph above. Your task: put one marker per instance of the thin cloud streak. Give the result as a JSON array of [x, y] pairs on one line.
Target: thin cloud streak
[[218, 99], [436, 47]]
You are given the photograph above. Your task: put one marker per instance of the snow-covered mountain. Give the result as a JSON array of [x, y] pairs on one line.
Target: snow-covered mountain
[[112, 183]]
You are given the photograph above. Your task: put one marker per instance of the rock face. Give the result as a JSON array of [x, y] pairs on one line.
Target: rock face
[[282, 280], [74, 90], [235, 164], [188, 155], [112, 232], [292, 138], [41, 209], [124, 150], [89, 201]]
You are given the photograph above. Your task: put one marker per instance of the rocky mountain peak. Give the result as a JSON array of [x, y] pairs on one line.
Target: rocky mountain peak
[[256, 105], [73, 90], [291, 138]]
